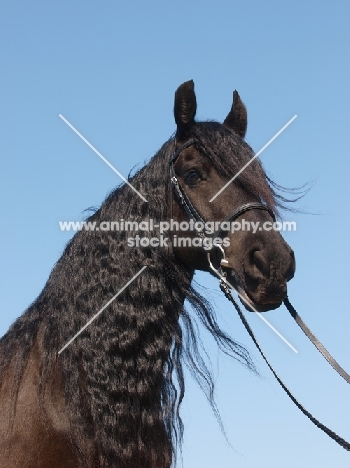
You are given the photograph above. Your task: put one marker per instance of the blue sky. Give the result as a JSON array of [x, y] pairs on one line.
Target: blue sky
[[111, 68]]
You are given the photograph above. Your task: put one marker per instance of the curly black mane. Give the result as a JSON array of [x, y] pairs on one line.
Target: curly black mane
[[123, 376]]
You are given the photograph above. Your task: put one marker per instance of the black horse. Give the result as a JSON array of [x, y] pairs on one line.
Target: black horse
[[111, 397]]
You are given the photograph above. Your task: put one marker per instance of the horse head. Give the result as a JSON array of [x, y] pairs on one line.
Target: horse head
[[249, 249]]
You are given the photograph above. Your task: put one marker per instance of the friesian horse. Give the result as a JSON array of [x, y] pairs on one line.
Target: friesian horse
[[111, 398]]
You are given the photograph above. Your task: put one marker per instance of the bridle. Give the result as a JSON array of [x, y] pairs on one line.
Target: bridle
[[193, 214], [225, 286]]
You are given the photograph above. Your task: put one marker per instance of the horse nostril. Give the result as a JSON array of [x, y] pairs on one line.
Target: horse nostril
[[258, 262], [269, 264]]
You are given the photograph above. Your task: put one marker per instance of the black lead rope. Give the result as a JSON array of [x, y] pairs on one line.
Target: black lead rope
[[342, 442]]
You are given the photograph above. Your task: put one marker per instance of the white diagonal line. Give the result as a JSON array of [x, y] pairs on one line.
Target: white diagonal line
[[273, 329], [264, 319], [251, 307], [251, 160], [102, 157], [101, 310]]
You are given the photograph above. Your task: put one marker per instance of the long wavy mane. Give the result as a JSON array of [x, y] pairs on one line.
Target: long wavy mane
[[123, 376]]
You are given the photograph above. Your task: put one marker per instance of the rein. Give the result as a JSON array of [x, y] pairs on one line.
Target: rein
[[319, 346], [225, 287]]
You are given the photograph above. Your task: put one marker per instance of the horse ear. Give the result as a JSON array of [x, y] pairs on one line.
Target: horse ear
[[237, 117], [185, 107]]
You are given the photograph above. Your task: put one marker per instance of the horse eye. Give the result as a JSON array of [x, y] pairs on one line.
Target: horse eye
[[192, 177]]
